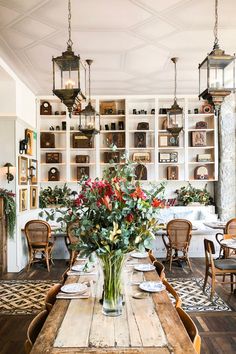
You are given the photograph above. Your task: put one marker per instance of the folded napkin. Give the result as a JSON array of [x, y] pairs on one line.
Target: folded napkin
[[62, 295]]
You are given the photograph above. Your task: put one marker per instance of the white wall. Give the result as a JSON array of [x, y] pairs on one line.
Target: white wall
[[17, 112]]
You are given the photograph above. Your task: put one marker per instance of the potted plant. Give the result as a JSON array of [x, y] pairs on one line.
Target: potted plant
[[9, 210], [55, 197], [195, 196]]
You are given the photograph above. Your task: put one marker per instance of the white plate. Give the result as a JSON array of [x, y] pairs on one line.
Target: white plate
[[138, 255], [144, 267], [74, 288], [152, 286], [81, 268]]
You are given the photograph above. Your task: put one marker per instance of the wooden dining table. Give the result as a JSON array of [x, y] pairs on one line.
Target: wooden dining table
[[150, 325]]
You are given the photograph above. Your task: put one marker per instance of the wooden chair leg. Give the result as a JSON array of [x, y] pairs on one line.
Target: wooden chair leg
[[188, 261], [171, 258], [205, 280], [232, 279], [47, 261], [213, 280]]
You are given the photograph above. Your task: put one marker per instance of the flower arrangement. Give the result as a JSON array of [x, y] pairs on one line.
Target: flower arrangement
[[9, 210], [116, 216], [189, 194]]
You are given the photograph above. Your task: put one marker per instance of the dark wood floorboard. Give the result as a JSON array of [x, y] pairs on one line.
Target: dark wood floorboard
[[217, 329]]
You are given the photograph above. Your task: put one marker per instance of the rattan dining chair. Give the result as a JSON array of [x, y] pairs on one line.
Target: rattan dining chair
[[72, 241], [190, 328], [151, 256], [38, 235], [229, 232], [50, 298], [177, 239], [33, 330], [217, 267]]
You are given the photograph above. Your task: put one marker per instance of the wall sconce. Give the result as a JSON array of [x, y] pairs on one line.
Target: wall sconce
[[32, 171], [23, 146], [10, 176]]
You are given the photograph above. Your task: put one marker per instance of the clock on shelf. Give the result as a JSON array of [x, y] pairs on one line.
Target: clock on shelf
[[53, 174], [45, 108]]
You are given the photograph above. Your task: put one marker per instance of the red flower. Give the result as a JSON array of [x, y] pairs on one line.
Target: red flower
[[107, 202], [130, 217], [156, 203], [138, 193]]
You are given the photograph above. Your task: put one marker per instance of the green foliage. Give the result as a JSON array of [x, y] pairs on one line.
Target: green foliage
[[9, 210], [116, 215], [56, 196], [189, 194]]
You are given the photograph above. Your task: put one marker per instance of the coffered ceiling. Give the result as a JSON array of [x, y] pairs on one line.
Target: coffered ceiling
[[130, 41]]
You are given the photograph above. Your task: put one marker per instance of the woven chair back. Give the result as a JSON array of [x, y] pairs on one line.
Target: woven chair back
[[231, 227], [37, 231], [179, 233]]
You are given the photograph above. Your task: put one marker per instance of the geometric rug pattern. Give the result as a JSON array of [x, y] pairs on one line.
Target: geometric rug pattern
[[23, 296], [194, 299]]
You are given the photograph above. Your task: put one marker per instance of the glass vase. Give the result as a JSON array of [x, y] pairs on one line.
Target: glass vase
[[112, 289]]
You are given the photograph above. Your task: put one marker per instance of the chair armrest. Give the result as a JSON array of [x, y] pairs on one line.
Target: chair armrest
[[217, 237], [164, 237]]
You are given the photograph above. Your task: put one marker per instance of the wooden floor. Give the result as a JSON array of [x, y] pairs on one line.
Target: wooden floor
[[217, 329]]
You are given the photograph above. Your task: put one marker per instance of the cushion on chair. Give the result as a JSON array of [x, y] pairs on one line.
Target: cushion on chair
[[225, 264]]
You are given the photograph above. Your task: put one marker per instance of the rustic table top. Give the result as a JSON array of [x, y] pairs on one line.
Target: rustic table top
[[149, 325]]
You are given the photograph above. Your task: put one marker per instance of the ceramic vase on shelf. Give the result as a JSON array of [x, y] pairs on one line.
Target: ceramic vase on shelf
[[112, 289]]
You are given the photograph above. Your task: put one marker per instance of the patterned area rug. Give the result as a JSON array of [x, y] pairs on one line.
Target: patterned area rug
[[194, 299], [23, 296]]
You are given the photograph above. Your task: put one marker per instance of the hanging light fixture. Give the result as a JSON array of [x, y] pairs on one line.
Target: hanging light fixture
[[175, 114], [66, 73], [87, 120], [216, 72]]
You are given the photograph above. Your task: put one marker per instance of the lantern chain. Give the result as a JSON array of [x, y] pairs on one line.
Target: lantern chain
[[216, 42], [69, 42]]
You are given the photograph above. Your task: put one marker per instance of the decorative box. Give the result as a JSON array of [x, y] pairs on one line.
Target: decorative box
[[82, 158], [143, 126], [53, 157], [114, 155], [117, 139], [140, 139], [82, 171], [81, 141], [141, 172], [172, 172], [141, 156], [47, 140]]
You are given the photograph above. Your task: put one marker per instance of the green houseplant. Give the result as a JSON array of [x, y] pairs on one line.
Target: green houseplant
[[56, 196], [189, 194], [9, 210], [116, 216]]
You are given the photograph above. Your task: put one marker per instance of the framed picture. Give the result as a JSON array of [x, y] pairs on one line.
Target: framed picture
[[23, 202], [29, 135], [33, 197], [163, 140], [33, 171], [22, 170], [199, 138]]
